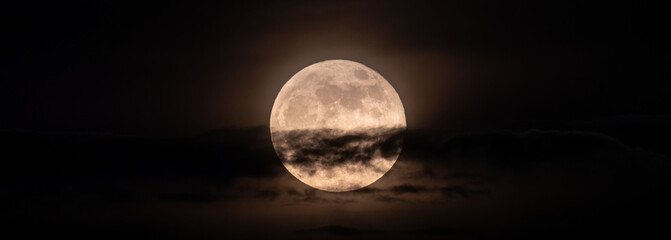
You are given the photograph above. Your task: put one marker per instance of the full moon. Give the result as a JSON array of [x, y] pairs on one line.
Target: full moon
[[337, 125]]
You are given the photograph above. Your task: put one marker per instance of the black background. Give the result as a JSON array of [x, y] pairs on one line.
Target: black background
[[103, 103]]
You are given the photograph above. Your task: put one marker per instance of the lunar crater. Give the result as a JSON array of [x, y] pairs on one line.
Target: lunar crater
[[361, 74]]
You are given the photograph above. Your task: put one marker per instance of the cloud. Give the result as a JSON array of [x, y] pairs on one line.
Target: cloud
[[331, 147], [409, 193], [523, 149], [311, 195], [461, 191], [107, 169], [266, 194], [536, 179], [293, 192], [390, 199], [404, 193], [210, 163], [406, 188]]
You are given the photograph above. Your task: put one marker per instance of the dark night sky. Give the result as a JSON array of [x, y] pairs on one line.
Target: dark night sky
[[150, 119]]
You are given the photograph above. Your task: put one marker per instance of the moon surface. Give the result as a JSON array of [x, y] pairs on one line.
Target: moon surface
[[337, 125]]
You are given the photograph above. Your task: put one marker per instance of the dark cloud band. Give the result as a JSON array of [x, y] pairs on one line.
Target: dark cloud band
[[330, 147]]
